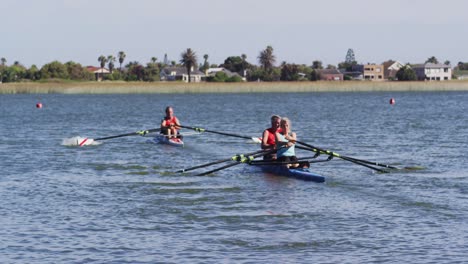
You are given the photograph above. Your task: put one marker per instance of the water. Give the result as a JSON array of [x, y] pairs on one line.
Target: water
[[121, 202]]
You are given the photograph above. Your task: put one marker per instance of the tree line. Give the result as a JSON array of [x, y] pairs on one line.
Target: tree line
[[150, 72]]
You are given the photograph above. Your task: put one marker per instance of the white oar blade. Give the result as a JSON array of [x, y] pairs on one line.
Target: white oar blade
[[79, 141]]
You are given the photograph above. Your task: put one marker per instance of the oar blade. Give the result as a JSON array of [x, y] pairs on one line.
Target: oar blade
[[79, 142]]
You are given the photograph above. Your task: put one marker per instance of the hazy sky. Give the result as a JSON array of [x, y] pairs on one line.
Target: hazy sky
[[300, 31]]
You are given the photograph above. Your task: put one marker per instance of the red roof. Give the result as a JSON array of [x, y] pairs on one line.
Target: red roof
[[96, 69]]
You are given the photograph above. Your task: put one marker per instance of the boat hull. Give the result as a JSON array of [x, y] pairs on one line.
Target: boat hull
[[299, 173], [161, 139]]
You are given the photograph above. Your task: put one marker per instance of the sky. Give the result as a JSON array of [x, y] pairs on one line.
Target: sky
[[300, 31]]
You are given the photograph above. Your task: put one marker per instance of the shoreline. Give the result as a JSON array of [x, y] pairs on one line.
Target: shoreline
[[249, 87]]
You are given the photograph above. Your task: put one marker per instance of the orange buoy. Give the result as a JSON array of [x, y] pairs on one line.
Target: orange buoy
[[39, 105], [392, 101]]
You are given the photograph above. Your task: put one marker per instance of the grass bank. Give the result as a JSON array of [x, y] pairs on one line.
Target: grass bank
[[250, 87]]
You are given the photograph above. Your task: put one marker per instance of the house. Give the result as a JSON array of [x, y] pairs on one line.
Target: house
[[433, 72], [330, 75], [356, 72], [212, 72], [180, 74], [98, 72], [373, 72], [302, 76], [390, 69]]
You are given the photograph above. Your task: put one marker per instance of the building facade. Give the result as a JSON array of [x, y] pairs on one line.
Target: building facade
[[98, 72], [180, 74], [433, 72], [390, 69], [373, 72], [330, 75]]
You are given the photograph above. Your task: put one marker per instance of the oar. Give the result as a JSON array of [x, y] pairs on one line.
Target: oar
[[141, 133], [360, 162], [233, 158], [244, 159], [356, 161], [201, 130]]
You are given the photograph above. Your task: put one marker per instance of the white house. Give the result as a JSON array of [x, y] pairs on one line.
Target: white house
[[98, 72], [391, 68], [433, 72], [212, 72], [180, 74]]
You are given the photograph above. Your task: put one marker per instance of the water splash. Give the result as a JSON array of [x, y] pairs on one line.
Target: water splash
[[79, 141]]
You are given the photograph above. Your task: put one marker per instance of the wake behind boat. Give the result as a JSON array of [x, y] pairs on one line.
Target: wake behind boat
[[163, 139]]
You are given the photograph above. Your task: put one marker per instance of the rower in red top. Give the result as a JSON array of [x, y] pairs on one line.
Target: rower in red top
[[170, 124], [269, 139]]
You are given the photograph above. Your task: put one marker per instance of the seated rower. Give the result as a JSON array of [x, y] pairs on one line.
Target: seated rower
[[285, 142], [268, 137], [170, 124]]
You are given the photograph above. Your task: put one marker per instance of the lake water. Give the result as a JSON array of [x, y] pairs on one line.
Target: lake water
[[122, 202]]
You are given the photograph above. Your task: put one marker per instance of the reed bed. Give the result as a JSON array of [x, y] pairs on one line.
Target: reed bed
[[249, 87]]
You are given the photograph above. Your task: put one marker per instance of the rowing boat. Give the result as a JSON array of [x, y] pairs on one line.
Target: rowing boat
[[163, 139], [296, 173]]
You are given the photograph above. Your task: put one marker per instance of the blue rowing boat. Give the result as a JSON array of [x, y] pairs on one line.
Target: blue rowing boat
[[296, 173], [163, 139]]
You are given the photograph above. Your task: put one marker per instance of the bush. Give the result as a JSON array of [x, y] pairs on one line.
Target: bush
[[406, 74], [235, 78], [54, 69]]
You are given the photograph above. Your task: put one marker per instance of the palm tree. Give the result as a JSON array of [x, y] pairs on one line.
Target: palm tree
[[111, 60], [267, 59], [153, 60], [205, 65], [103, 60], [121, 56], [432, 60], [189, 59], [244, 57], [3, 61], [317, 65]]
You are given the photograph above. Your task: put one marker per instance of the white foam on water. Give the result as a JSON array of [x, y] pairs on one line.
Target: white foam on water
[[79, 141]]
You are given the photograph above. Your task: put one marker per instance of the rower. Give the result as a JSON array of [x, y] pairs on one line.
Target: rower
[[170, 124], [285, 141], [268, 138]]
